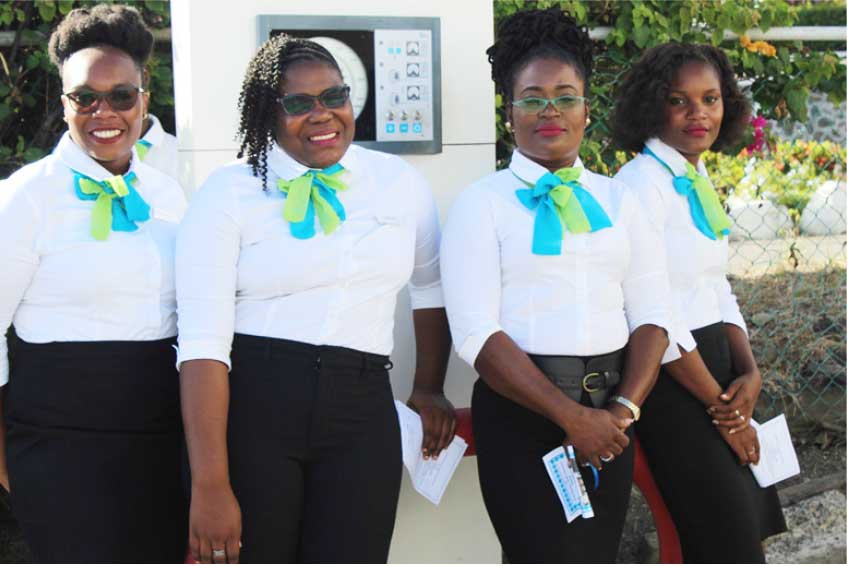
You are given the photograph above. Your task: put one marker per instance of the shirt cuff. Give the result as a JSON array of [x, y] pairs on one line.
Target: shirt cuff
[[471, 347], [203, 350], [426, 297], [685, 339], [4, 366]]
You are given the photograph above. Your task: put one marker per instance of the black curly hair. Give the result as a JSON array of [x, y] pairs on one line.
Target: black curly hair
[[260, 90], [538, 34], [121, 27], [639, 111]]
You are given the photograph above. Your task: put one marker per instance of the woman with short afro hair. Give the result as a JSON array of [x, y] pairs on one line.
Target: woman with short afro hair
[[556, 296], [677, 102], [92, 411], [288, 267]]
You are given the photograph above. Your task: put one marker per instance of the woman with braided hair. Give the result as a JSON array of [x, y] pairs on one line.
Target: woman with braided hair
[[289, 264], [92, 406], [556, 295], [677, 102]]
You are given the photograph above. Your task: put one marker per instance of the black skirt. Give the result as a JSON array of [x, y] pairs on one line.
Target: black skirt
[[521, 502], [93, 448], [721, 513]]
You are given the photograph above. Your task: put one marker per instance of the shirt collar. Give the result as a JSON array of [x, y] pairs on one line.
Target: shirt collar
[[74, 157], [674, 160], [287, 168], [529, 171], [155, 133]]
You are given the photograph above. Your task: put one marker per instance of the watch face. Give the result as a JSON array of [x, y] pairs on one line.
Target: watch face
[[353, 70]]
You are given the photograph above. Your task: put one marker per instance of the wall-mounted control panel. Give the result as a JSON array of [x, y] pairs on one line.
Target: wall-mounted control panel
[[393, 68]]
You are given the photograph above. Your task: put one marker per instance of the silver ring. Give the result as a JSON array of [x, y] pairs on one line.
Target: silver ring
[[606, 460], [737, 413], [219, 553], [753, 451]]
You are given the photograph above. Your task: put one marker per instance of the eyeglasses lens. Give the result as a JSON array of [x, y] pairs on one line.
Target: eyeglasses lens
[[120, 99], [296, 104]]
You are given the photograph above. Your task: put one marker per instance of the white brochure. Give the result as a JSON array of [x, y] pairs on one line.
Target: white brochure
[[429, 477], [566, 479], [778, 460]]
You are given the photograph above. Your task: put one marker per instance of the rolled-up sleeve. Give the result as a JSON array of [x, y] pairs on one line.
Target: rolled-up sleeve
[[425, 289], [207, 253], [19, 221], [471, 268], [728, 304], [646, 286]]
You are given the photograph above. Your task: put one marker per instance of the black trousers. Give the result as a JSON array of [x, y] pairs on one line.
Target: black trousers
[[315, 452], [93, 446], [721, 513], [522, 503]]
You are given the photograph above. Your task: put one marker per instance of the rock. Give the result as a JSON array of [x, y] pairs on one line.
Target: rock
[[816, 532], [826, 212], [761, 318], [757, 220]]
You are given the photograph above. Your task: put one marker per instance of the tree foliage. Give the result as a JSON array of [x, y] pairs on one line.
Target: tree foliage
[[30, 107], [779, 77]]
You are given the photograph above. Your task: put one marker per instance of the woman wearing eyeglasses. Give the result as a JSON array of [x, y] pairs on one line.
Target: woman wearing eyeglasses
[[92, 414], [556, 295], [289, 263]]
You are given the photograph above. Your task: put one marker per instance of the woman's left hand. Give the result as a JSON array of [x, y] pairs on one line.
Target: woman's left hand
[[438, 420], [740, 401]]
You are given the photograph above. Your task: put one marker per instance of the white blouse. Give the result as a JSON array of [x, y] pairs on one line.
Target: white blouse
[[697, 264], [240, 270], [58, 283], [162, 154], [585, 301]]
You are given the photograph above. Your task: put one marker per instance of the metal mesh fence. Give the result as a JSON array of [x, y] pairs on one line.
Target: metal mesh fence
[[787, 266]]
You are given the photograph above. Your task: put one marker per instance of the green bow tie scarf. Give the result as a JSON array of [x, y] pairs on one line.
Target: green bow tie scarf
[[561, 202], [142, 148], [117, 205], [706, 210], [310, 195]]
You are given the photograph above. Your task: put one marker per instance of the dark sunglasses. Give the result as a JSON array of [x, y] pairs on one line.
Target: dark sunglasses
[[120, 99], [297, 104]]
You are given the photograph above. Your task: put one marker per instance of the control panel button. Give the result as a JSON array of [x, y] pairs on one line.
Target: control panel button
[[390, 128], [417, 127], [402, 128]]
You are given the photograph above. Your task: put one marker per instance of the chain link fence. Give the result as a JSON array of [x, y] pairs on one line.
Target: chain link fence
[[787, 266]]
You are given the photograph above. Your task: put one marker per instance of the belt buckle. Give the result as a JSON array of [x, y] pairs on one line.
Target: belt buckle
[[584, 384]]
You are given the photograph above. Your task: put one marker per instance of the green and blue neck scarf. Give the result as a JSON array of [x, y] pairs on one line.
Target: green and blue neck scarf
[[312, 195], [561, 203], [706, 210], [118, 206]]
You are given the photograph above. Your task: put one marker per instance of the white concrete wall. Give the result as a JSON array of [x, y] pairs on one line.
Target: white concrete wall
[[213, 40]]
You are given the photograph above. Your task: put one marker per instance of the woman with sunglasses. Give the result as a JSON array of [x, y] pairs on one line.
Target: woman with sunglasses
[[676, 103], [556, 295], [92, 412], [289, 264]]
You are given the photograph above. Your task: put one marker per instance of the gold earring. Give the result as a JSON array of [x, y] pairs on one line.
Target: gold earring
[[587, 122]]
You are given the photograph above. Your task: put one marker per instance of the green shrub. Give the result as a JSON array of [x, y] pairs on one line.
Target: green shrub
[[781, 76]]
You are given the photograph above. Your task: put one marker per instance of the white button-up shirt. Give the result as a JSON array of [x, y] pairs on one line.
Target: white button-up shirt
[[697, 264], [585, 301], [162, 154], [239, 269], [59, 284]]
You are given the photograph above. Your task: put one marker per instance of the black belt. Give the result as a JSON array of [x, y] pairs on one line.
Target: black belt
[[590, 379]]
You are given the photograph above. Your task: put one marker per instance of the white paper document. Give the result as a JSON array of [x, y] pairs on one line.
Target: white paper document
[[429, 477], [778, 460]]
